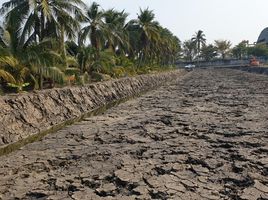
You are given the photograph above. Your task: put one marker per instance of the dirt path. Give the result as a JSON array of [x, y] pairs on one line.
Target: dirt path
[[205, 137]]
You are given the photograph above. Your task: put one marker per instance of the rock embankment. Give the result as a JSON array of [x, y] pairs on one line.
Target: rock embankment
[[31, 113]]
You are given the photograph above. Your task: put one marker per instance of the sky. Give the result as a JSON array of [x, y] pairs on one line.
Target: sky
[[233, 20]]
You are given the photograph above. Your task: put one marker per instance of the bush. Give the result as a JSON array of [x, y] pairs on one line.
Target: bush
[[118, 72], [96, 76]]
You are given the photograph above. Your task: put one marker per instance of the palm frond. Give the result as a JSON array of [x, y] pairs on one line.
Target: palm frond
[[9, 61], [71, 61], [54, 73], [7, 76]]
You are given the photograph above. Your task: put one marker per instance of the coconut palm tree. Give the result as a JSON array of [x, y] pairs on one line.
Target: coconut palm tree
[[117, 40], [189, 50], [45, 62], [34, 33], [148, 34], [12, 72], [34, 21], [3, 37], [83, 55], [199, 40], [40, 19], [170, 47], [44, 17], [16, 72], [24, 60], [5, 75], [96, 29]]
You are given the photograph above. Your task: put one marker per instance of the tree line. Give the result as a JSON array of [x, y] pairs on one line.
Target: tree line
[[44, 43], [196, 49], [47, 43]]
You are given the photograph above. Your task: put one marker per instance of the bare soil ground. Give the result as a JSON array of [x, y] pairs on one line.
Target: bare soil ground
[[205, 136]]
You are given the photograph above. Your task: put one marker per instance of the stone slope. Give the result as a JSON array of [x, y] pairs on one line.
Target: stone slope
[[31, 113]]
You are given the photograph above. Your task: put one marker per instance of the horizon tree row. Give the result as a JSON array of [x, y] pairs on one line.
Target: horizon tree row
[[196, 49], [58, 41]]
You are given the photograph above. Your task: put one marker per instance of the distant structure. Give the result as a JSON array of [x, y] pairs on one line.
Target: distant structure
[[263, 38]]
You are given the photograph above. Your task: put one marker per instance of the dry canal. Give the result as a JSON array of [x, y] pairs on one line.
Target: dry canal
[[203, 137]]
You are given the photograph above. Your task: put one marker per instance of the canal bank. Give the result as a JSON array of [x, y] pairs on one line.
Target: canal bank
[[28, 114]]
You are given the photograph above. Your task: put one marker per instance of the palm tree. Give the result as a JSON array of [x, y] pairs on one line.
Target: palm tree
[[169, 47], [3, 37], [31, 22], [199, 40], [33, 45], [15, 71], [117, 40], [96, 29], [22, 60], [12, 72], [45, 62], [40, 19], [148, 32], [5, 74], [223, 47], [189, 50], [83, 55]]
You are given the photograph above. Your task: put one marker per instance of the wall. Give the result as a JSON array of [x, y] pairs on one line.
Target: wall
[[27, 114], [257, 70], [221, 63]]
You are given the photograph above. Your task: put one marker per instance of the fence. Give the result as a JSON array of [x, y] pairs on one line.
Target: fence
[[220, 63]]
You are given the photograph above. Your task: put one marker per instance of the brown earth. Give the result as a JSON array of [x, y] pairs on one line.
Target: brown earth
[[204, 137]]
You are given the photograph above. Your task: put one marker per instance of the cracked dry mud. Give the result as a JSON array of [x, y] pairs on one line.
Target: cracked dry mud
[[205, 136]]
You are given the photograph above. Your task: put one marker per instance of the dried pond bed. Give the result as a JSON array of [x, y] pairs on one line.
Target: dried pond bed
[[203, 137]]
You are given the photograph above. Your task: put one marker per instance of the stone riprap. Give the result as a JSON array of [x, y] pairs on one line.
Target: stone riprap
[[205, 137], [27, 114]]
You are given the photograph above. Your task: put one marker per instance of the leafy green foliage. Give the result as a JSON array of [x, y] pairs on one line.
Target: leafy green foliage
[[19, 87], [241, 50], [42, 44], [260, 50], [189, 50], [208, 52], [223, 47]]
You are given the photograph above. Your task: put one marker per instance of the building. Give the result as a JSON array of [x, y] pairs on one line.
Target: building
[[263, 38]]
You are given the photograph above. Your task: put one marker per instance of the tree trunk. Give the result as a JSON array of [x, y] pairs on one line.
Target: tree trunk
[[62, 46], [42, 28], [41, 79], [94, 42]]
